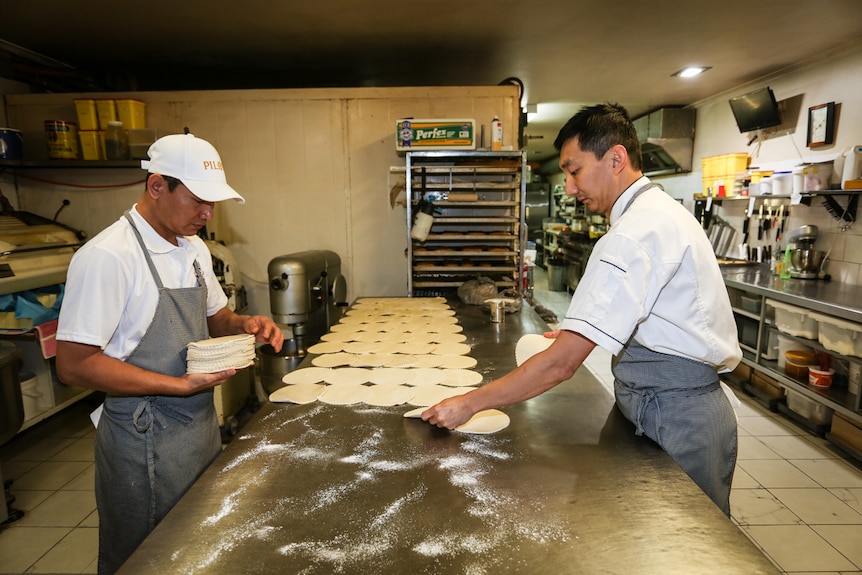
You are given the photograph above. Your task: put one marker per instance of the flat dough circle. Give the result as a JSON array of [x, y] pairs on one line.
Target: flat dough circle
[[344, 394], [441, 338], [333, 359], [327, 347], [412, 348], [300, 393], [461, 377], [390, 376], [487, 421], [421, 376], [401, 360], [452, 349], [343, 337], [457, 361], [529, 345], [444, 328], [429, 361], [389, 394], [348, 376], [429, 395], [305, 375], [372, 360]]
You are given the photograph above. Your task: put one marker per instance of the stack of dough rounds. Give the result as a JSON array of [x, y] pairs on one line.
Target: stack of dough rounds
[[387, 352], [220, 353]]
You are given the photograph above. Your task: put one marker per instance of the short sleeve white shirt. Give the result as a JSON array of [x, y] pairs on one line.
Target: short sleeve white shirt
[[111, 297], [654, 276]]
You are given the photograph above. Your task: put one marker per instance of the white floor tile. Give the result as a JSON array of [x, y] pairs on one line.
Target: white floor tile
[[830, 472], [21, 547], [798, 548], [742, 480], [752, 448], [795, 447], [760, 507], [845, 538], [775, 473], [61, 509], [51, 475], [73, 554], [765, 425], [851, 496], [818, 506]]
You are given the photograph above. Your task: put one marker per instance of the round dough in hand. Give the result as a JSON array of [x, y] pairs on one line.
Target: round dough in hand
[[487, 421]]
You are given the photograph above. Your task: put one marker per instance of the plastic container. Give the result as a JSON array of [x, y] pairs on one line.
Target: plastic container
[[91, 144], [116, 142], [797, 363], [820, 377], [811, 410], [798, 179], [842, 336], [816, 176], [496, 134], [782, 183], [765, 186], [132, 113], [750, 303], [793, 320], [30, 395], [88, 117], [11, 144], [854, 377], [786, 344], [107, 110], [770, 347]]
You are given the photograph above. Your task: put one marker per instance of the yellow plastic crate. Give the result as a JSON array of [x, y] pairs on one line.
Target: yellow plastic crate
[[91, 146], [88, 119], [734, 164], [132, 113]]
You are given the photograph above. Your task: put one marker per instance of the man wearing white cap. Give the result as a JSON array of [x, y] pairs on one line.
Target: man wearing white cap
[[136, 295]]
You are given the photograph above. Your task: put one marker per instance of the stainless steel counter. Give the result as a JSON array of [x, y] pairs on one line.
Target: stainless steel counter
[[834, 298], [566, 488]]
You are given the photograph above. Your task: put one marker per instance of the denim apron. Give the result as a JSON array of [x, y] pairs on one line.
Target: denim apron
[[150, 449], [679, 404]]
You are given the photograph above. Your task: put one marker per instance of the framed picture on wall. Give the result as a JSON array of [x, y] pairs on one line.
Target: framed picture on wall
[[821, 125]]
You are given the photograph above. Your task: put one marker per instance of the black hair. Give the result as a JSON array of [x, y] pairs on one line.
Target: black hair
[[601, 127]]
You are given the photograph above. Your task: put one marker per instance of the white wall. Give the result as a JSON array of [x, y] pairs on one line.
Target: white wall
[[837, 78]]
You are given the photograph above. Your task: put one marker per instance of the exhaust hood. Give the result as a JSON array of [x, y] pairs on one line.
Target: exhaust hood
[[667, 141]]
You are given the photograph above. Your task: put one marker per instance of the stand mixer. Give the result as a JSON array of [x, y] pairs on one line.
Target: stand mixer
[[307, 293], [805, 261]]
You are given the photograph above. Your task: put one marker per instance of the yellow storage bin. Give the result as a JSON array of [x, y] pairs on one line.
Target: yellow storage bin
[[107, 110], [734, 164], [132, 113], [88, 118], [91, 146]]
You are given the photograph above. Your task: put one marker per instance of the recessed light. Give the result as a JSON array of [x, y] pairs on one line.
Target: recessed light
[[691, 71]]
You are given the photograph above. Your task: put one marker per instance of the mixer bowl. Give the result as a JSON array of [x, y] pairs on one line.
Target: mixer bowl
[[806, 260]]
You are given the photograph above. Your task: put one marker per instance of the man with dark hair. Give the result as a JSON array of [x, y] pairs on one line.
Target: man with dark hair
[[652, 294], [136, 295]]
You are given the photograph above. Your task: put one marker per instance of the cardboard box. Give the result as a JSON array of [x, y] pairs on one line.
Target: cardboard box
[[847, 432], [766, 385], [443, 134]]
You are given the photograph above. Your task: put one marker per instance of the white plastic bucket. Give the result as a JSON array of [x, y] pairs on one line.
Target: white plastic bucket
[[30, 397], [786, 344]]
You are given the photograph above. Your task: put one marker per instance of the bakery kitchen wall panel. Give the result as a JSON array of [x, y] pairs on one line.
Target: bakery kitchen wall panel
[[313, 165]]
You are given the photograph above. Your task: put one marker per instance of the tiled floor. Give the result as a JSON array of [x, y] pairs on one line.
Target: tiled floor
[[794, 496], [798, 499]]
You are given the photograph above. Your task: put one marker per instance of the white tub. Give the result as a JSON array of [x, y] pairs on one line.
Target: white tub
[[793, 320], [840, 335]]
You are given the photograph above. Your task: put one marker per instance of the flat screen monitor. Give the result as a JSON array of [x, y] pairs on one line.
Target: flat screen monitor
[[755, 110]]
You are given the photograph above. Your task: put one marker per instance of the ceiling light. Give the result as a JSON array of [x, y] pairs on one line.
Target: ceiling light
[[532, 111], [691, 71]]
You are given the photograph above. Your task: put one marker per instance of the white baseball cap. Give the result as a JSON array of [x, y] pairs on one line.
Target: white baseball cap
[[193, 161]]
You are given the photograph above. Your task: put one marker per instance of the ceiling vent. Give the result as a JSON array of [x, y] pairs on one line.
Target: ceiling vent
[[667, 141]]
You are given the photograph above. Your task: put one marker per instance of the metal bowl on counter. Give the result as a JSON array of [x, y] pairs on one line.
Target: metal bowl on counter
[[274, 366], [806, 260]]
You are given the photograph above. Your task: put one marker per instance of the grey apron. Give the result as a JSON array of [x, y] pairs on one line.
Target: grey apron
[[150, 449], [679, 404]]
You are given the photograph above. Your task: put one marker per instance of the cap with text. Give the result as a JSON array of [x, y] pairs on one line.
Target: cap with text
[[193, 161]]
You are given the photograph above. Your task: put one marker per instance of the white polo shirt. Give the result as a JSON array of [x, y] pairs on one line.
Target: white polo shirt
[[654, 275], [111, 296]]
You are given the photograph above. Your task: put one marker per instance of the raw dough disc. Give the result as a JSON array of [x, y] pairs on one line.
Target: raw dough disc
[[416, 413], [333, 359], [346, 327], [487, 421], [461, 377], [327, 347], [426, 376], [372, 360], [529, 345], [393, 327], [364, 347], [429, 361], [457, 361], [401, 360], [348, 376], [440, 320], [299, 393], [369, 337], [342, 337], [344, 394], [306, 375], [443, 328], [390, 375], [388, 394], [412, 348], [429, 395], [441, 338], [452, 349]]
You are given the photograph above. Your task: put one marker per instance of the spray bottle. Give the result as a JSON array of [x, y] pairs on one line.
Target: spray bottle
[[496, 134]]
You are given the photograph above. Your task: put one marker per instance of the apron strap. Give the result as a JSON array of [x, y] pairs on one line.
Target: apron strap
[[150, 263]]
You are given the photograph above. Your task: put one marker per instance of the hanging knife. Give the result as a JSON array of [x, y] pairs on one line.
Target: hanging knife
[[780, 220], [760, 223]]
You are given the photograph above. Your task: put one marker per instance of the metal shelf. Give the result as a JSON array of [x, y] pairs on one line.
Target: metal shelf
[[69, 164]]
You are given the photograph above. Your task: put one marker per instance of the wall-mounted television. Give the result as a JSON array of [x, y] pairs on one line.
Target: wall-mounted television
[[755, 110]]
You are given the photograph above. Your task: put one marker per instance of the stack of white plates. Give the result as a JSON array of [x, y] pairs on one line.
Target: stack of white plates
[[220, 353]]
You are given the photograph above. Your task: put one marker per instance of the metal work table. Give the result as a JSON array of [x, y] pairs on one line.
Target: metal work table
[[833, 298], [566, 488]]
